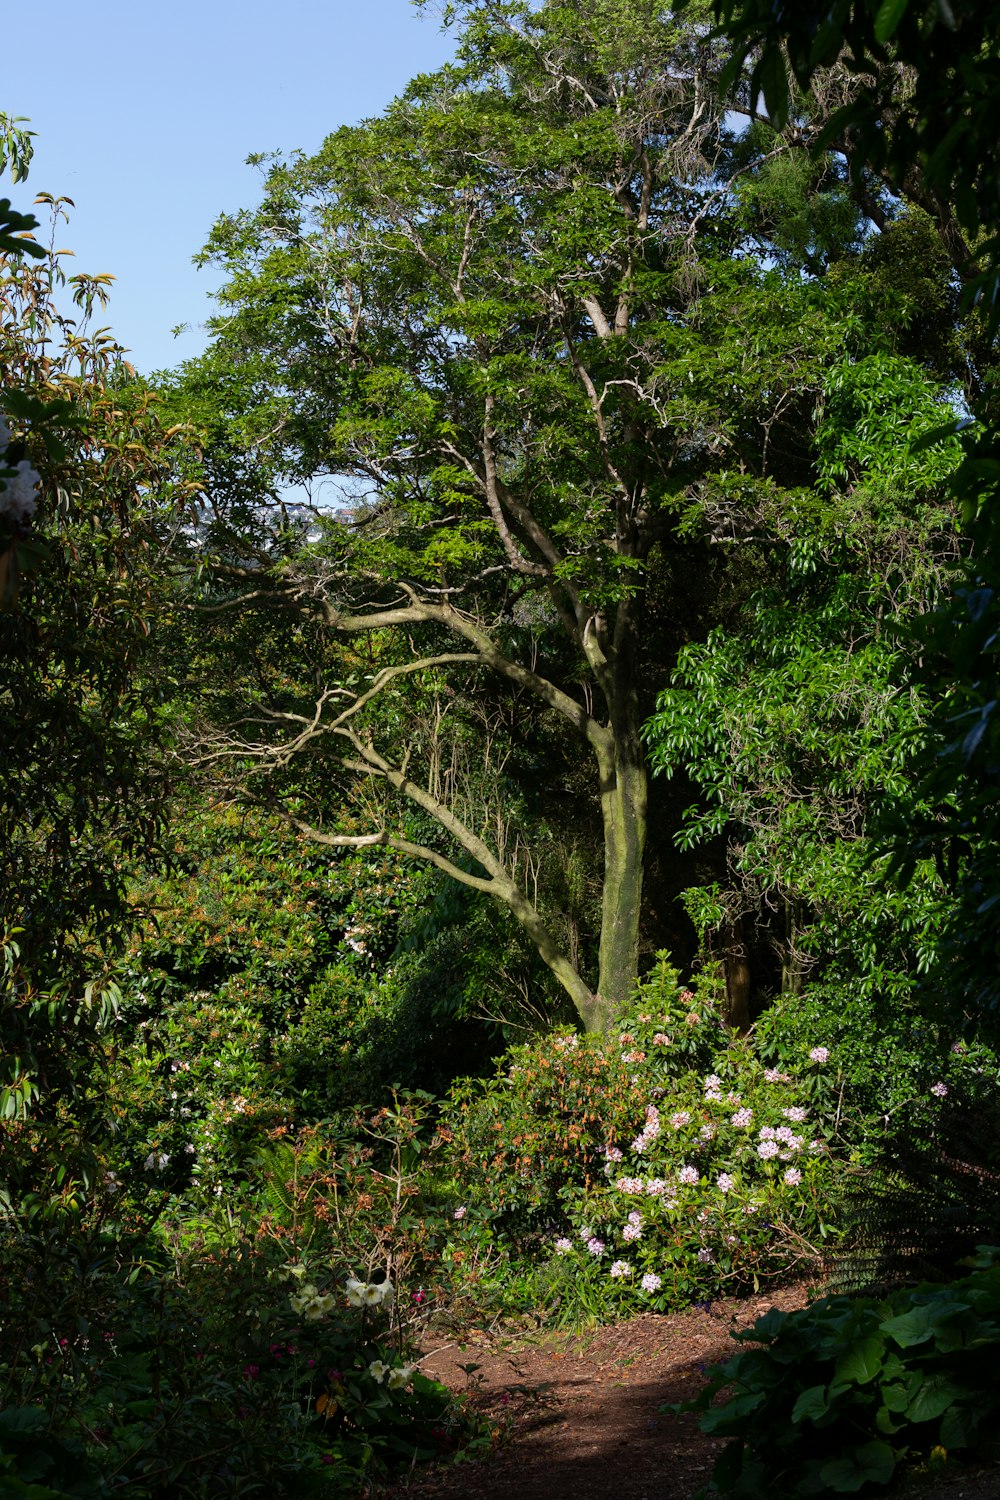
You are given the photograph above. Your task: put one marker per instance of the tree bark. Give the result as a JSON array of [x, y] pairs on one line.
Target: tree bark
[[624, 794]]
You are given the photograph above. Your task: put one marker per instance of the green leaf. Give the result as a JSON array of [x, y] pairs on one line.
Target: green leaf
[[861, 1363], [888, 17], [872, 1464], [935, 1396], [811, 1405]]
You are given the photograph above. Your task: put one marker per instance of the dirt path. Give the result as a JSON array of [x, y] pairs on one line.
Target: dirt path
[[581, 1412]]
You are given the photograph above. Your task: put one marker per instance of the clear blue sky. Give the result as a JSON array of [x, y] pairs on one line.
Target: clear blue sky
[[146, 112]]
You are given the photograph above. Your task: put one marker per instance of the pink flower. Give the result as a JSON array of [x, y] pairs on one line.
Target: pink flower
[[940, 1089], [688, 1174], [595, 1246], [680, 1119], [819, 1055], [792, 1177], [725, 1182], [651, 1282], [742, 1117], [767, 1149], [621, 1268], [661, 1039]]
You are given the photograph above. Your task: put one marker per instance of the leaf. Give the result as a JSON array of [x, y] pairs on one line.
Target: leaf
[[935, 1396], [874, 1463], [811, 1405], [861, 1363], [888, 17]]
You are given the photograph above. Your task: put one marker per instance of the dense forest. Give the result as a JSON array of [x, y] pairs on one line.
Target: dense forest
[[499, 788]]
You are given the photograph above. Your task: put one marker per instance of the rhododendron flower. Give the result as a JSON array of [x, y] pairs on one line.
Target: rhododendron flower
[[595, 1246], [632, 1232], [742, 1118], [688, 1174], [767, 1149], [772, 1075], [651, 1282], [940, 1089], [680, 1119], [819, 1055], [705, 1255], [563, 1246], [620, 1268], [724, 1182], [661, 1039], [654, 1187], [792, 1177], [796, 1114]]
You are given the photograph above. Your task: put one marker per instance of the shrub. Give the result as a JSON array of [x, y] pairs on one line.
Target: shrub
[[845, 1391], [652, 1166]]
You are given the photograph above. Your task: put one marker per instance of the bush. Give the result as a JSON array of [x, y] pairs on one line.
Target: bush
[[843, 1393], [260, 1336], [654, 1166]]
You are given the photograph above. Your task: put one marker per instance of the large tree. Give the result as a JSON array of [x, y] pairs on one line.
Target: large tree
[[520, 322]]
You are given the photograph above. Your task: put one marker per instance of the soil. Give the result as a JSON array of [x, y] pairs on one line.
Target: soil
[[579, 1414]]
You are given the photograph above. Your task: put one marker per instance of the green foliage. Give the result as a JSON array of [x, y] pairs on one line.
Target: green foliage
[[843, 1393], [621, 1177], [260, 1337]]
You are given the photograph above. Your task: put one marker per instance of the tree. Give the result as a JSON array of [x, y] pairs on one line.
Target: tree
[[937, 132], [88, 501], [521, 320]]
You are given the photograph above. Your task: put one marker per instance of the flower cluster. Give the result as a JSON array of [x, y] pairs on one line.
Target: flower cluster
[[369, 1293]]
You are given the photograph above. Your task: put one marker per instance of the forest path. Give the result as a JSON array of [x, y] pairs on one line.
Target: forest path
[[581, 1411]]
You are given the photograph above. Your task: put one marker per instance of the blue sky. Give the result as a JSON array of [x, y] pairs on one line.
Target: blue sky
[[145, 113]]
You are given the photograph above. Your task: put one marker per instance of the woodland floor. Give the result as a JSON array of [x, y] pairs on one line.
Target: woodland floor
[[580, 1414]]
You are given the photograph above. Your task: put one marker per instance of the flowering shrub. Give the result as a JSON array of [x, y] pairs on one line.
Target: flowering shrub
[[655, 1165], [731, 1187]]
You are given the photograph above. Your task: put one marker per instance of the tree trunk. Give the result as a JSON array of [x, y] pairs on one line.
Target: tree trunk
[[624, 793]]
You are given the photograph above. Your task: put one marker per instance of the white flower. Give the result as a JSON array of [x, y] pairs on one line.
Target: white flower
[[400, 1377], [792, 1177], [378, 1370], [688, 1174], [651, 1282], [940, 1089], [620, 1269], [819, 1055], [355, 1291], [564, 1246], [460, 1212], [17, 494], [156, 1161]]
